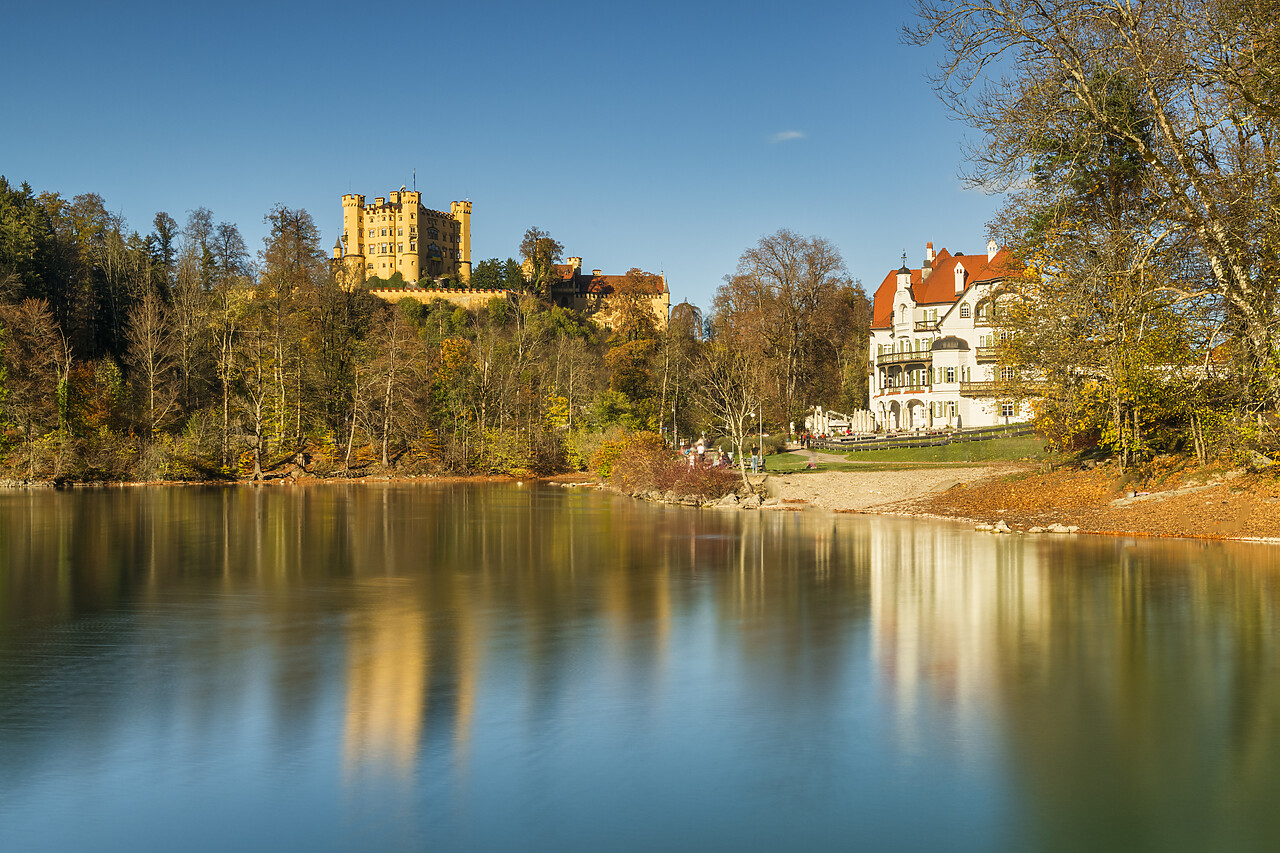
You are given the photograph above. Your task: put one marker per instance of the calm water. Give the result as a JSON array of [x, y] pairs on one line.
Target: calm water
[[506, 668]]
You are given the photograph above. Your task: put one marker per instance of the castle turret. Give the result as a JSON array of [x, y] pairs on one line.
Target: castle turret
[[351, 242], [461, 211]]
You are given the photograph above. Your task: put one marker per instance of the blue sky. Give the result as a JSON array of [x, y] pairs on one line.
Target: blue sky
[[669, 136]]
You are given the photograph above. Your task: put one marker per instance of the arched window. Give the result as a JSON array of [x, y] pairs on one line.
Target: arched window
[[964, 310]]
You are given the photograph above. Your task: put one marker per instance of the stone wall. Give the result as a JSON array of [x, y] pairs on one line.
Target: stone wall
[[472, 300]]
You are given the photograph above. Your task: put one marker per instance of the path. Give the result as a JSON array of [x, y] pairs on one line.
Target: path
[[863, 490]]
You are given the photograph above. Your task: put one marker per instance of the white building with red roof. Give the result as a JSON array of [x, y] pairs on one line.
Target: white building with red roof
[[933, 346]]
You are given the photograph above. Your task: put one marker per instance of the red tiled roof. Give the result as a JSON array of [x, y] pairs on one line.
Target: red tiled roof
[[603, 285], [940, 287]]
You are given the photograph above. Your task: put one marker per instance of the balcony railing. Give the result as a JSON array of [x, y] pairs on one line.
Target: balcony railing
[[988, 353], [905, 389], [981, 389], [998, 388], [922, 356], [926, 325]]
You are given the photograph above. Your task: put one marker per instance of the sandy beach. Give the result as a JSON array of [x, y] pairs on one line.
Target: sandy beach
[[858, 491]]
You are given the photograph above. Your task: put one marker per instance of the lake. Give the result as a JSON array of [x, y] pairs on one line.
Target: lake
[[468, 667]]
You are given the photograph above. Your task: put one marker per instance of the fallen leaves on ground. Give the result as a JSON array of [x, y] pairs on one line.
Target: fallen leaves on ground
[[1213, 504]]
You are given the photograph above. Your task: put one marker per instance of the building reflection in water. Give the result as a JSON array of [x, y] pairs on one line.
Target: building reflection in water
[[942, 600], [388, 664]]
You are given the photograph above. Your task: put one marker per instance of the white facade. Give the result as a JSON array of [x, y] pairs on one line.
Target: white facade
[[933, 347]]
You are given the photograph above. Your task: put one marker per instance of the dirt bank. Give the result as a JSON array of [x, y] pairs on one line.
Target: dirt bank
[[1206, 503]]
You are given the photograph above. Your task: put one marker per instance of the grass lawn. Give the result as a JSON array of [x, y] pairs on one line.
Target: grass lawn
[[996, 450], [797, 463]]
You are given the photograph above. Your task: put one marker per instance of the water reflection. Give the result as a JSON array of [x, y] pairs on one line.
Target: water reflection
[[551, 657]]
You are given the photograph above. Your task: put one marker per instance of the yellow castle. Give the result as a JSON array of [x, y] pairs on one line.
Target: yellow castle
[[399, 234]]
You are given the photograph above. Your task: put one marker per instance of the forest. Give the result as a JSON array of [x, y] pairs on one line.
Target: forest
[[180, 355]]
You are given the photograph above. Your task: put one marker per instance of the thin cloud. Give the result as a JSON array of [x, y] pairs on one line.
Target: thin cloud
[[786, 136]]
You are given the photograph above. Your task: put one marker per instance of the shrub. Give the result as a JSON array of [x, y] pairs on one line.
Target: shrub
[[641, 462], [629, 456]]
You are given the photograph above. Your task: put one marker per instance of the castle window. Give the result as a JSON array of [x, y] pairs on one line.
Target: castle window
[[432, 232], [400, 233], [413, 245], [401, 247]]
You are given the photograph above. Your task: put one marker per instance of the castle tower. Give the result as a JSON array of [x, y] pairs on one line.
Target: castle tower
[[461, 211], [410, 215], [352, 239]]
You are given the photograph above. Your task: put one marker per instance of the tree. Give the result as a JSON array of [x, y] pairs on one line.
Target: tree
[[36, 361], [228, 254], [293, 266], [776, 306], [487, 275], [678, 349], [165, 247], [729, 388], [228, 308], [197, 236], [632, 305], [1094, 318], [541, 253], [23, 238], [397, 353], [1203, 74], [151, 356]]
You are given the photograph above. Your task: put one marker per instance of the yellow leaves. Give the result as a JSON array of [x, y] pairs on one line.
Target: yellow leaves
[[454, 353], [556, 408]]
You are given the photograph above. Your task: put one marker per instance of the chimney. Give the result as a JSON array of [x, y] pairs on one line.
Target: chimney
[[960, 276], [595, 272], [928, 253], [927, 268], [992, 248]]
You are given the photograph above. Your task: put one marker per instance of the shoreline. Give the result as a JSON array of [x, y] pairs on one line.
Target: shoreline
[[1221, 506]]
